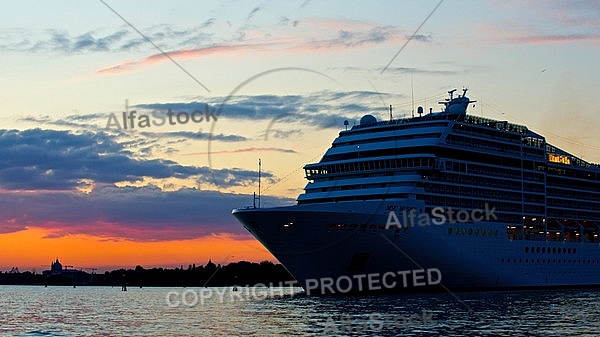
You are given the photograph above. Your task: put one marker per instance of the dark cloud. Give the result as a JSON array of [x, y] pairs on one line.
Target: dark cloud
[[141, 214], [121, 40], [422, 38], [333, 107], [60, 160], [253, 11], [358, 38]]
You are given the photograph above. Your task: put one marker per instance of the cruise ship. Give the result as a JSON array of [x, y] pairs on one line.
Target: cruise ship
[[356, 228]]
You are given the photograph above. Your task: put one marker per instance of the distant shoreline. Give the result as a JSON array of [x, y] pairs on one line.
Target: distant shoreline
[[210, 275]]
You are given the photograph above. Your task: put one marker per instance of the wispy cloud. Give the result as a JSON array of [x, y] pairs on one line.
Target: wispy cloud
[[244, 150], [318, 35], [121, 40], [560, 21], [252, 12]]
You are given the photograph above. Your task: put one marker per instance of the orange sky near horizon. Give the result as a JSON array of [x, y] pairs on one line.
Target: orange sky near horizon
[[31, 250]]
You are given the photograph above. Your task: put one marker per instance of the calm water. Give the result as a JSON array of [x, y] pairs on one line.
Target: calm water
[[105, 311]]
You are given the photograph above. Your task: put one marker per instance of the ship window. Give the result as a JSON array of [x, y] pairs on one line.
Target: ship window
[[477, 232], [569, 251], [526, 249], [538, 249], [483, 232], [543, 249], [450, 230], [554, 250], [464, 231], [470, 231], [574, 250], [489, 232], [456, 231]]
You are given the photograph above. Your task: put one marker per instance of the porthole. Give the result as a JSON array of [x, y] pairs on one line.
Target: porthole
[[569, 251], [543, 249], [496, 233], [470, 231], [483, 232], [489, 232], [526, 249], [450, 230], [463, 231], [537, 249], [574, 250], [456, 231], [477, 232], [554, 250]]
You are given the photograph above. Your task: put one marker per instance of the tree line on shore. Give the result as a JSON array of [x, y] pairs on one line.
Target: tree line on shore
[[209, 275]]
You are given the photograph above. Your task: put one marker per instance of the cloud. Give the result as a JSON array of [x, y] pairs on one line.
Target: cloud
[[325, 109], [60, 160], [139, 214], [553, 38], [405, 70], [199, 135], [422, 38], [253, 11], [130, 65], [318, 35], [540, 22], [244, 150], [121, 40]]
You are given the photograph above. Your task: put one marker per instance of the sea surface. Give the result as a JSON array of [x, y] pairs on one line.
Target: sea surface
[[106, 311]]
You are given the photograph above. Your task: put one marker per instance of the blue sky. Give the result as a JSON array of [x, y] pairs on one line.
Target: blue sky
[[283, 75]]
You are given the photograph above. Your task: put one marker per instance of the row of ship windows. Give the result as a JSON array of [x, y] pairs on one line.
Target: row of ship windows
[[488, 145], [494, 170], [483, 192], [575, 184], [463, 202], [553, 251], [487, 181], [573, 194], [573, 204], [578, 261], [388, 138], [559, 212], [489, 133], [371, 165], [471, 231]]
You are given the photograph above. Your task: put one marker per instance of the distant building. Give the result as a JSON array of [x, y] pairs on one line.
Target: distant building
[[56, 269]]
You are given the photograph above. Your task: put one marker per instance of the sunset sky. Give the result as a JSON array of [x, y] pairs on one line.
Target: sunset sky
[[280, 78]]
